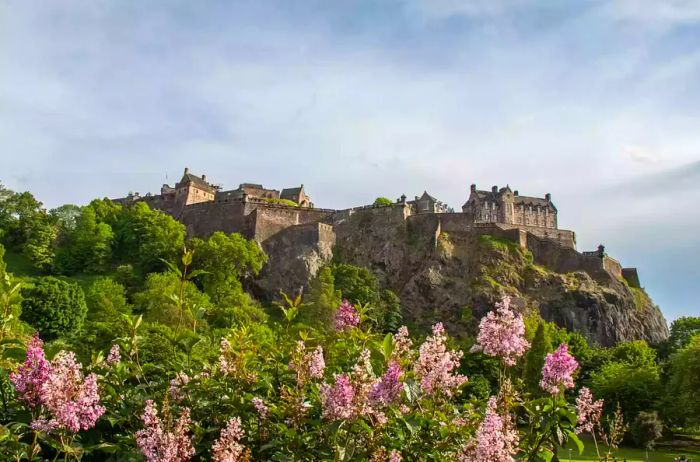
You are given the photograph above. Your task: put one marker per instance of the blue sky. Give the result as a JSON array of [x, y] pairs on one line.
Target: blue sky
[[596, 102]]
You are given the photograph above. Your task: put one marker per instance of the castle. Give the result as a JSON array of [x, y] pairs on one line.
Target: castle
[[270, 215]]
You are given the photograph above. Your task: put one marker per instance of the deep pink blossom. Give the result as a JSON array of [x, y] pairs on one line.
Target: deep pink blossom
[[337, 401], [558, 370], [307, 365], [496, 438], [71, 399], [346, 317], [29, 376], [158, 444], [435, 368], [502, 334], [588, 410], [114, 355], [388, 388], [228, 447]]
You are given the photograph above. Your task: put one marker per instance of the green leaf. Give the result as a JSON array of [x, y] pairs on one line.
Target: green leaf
[[574, 437], [387, 346]]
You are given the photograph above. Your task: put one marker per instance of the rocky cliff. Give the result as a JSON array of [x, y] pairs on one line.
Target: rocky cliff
[[455, 276]]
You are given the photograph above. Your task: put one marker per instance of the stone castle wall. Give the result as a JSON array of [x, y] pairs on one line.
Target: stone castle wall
[[269, 219]]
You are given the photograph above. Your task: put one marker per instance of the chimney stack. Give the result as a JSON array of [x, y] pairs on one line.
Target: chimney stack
[[473, 188], [494, 189], [204, 178], [548, 197], [515, 193], [187, 170]]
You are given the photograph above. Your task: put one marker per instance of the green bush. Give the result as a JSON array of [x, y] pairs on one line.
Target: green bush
[[54, 307], [382, 201]]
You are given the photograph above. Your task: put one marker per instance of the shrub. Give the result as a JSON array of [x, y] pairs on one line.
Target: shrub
[[646, 429], [54, 307], [382, 201]]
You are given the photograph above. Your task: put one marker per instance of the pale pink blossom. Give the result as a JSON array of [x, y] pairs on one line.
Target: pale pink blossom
[[496, 438], [558, 370], [260, 407], [176, 385], [337, 400], [114, 356], [228, 447], [160, 444], [502, 334], [30, 375], [436, 366], [402, 345], [71, 399], [388, 388], [588, 410], [307, 365], [346, 317]]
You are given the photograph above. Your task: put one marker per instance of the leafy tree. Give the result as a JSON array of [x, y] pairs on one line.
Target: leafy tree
[[534, 359], [636, 388], [106, 300], [146, 237], [106, 211], [20, 213], [322, 299], [88, 247], [636, 354], [382, 201], [66, 217], [357, 284], [682, 329], [389, 312], [54, 307], [159, 301], [225, 259], [39, 247], [682, 397]]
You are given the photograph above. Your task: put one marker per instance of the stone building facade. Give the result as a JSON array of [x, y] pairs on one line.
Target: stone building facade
[[509, 207]]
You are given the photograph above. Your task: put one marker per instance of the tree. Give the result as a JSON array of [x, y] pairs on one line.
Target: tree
[[636, 388], [224, 260], [682, 397], [389, 312], [322, 299], [382, 201], [19, 213], [682, 329], [106, 211], [39, 247], [54, 307], [87, 247], [145, 237], [356, 284], [106, 300], [534, 359], [646, 429]]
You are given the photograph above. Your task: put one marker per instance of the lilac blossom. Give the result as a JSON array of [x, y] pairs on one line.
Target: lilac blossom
[[228, 447], [388, 388], [346, 317], [337, 400], [402, 345], [558, 370], [307, 365], [502, 334], [71, 399], [496, 438], [588, 410], [436, 365], [158, 444], [260, 407], [114, 356], [29, 376], [176, 385]]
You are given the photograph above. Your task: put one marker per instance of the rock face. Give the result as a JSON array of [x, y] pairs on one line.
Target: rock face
[[456, 276]]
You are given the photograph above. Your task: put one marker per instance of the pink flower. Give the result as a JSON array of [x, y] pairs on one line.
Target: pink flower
[[72, 401], [29, 376], [260, 407], [588, 410], [176, 384], [395, 456], [402, 345], [388, 388], [346, 317], [228, 447], [114, 355], [337, 401], [158, 444], [502, 334], [558, 370], [496, 438], [436, 365], [307, 365]]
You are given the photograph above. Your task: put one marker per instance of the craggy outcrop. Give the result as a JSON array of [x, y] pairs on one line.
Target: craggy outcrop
[[455, 276]]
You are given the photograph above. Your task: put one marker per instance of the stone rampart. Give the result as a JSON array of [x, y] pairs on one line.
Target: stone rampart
[[205, 218], [269, 219]]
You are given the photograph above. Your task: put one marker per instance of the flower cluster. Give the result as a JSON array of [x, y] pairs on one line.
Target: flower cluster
[[402, 345], [307, 365], [114, 356], [436, 365], [337, 400], [176, 384], [158, 444], [260, 407], [502, 334], [388, 388], [346, 317], [30, 376], [558, 370], [228, 447], [588, 410], [381, 455], [496, 439]]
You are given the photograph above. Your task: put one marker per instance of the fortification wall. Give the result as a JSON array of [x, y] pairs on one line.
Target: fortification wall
[[269, 219], [393, 213], [564, 237], [632, 278], [205, 218], [612, 266]]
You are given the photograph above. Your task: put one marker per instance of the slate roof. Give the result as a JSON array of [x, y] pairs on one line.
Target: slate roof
[[520, 200], [197, 181], [291, 193]]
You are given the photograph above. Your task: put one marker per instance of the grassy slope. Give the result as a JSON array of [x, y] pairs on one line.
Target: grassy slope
[[624, 453]]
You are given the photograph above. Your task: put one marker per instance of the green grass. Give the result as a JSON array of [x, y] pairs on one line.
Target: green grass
[[630, 454], [19, 265]]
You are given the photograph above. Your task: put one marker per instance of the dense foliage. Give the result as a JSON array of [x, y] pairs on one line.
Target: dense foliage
[[149, 347]]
